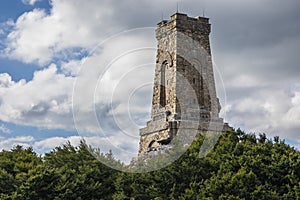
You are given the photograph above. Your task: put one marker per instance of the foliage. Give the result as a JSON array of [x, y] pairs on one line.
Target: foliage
[[241, 166]]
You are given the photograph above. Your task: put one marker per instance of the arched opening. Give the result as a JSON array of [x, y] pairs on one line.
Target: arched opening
[[153, 145]]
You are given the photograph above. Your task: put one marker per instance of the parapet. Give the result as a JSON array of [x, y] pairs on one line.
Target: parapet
[[184, 22]]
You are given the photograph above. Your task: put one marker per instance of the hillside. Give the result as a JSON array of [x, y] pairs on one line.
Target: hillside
[[241, 166]]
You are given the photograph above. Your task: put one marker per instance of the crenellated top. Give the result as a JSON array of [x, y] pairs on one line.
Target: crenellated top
[[183, 22], [196, 28]]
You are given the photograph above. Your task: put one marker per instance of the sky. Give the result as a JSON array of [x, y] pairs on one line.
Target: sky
[[84, 69]]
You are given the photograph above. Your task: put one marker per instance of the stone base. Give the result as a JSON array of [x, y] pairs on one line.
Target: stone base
[[161, 133]]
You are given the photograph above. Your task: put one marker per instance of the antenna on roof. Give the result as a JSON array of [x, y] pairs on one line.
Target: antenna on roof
[[162, 16], [203, 8], [177, 6]]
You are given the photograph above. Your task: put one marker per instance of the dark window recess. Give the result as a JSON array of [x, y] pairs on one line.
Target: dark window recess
[[163, 84]]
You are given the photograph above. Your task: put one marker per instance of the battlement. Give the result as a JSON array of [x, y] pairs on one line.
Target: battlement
[[184, 21], [197, 28], [180, 16]]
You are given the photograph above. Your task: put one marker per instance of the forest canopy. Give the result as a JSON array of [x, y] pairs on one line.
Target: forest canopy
[[241, 166]]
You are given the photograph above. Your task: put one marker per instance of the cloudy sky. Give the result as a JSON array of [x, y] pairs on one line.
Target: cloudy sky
[[77, 68]]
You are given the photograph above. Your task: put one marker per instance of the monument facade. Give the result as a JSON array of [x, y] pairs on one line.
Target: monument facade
[[184, 99]]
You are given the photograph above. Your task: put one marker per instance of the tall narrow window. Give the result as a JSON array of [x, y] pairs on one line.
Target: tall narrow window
[[194, 81], [163, 84]]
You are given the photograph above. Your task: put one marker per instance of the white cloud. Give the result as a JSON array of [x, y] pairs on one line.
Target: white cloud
[[34, 38], [275, 112], [25, 141], [104, 82], [121, 150], [46, 100], [4, 129], [43, 102], [71, 67], [38, 36], [30, 2], [291, 120], [245, 81], [41, 146], [5, 80], [119, 96], [52, 142]]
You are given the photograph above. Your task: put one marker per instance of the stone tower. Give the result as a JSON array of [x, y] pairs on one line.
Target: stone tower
[[184, 95]]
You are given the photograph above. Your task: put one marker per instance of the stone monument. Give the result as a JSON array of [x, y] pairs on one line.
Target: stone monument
[[184, 101]]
